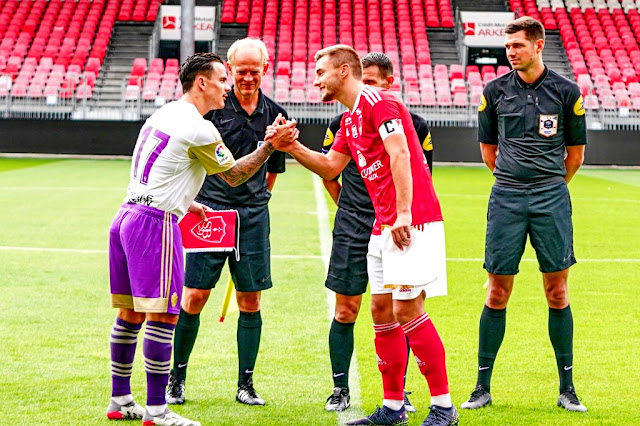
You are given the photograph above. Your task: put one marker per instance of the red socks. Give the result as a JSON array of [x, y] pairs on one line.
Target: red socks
[[429, 353], [391, 351]]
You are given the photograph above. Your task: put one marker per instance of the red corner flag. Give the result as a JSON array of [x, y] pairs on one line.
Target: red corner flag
[[218, 233]]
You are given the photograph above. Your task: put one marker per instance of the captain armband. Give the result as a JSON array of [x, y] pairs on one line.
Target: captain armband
[[390, 127]]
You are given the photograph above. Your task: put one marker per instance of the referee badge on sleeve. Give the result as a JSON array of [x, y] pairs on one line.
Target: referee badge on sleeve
[[548, 125]]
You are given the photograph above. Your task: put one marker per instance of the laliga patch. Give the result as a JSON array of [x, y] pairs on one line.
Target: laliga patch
[[548, 125], [222, 154]]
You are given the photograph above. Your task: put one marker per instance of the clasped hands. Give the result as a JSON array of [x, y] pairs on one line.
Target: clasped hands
[[282, 133]]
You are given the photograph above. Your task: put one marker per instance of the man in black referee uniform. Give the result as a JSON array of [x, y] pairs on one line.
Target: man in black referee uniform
[[532, 136], [347, 275], [242, 124]]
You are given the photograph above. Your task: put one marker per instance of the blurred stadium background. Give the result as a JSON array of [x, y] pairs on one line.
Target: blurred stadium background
[[91, 70]]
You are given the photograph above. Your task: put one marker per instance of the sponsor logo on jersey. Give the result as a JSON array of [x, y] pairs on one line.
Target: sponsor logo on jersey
[[578, 107], [548, 125], [222, 154], [362, 162], [371, 171], [140, 199], [212, 231]]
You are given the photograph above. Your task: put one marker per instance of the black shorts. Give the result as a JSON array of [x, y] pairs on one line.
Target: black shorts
[[544, 214], [348, 268], [253, 271]]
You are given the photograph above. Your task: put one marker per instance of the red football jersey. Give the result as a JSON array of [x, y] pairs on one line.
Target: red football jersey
[[360, 138]]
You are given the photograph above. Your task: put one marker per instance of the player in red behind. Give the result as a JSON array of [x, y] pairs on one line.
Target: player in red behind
[[406, 259]]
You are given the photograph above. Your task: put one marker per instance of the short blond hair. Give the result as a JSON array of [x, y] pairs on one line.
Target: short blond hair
[[341, 54], [248, 42]]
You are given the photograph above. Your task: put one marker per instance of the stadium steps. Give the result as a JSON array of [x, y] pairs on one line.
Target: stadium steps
[[227, 35], [555, 55], [128, 41], [442, 45]]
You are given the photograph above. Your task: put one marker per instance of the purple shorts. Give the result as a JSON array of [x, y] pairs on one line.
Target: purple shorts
[[146, 264]]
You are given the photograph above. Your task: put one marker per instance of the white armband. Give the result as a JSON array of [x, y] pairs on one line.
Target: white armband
[[390, 127]]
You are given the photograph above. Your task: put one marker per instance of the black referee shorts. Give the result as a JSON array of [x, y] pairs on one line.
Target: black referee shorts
[[543, 214], [253, 271], [348, 267]]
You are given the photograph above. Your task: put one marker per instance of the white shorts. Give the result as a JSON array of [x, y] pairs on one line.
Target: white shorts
[[406, 273]]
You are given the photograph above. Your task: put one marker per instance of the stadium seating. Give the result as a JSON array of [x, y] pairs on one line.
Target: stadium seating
[[44, 41], [158, 83], [601, 39], [58, 46], [302, 27]]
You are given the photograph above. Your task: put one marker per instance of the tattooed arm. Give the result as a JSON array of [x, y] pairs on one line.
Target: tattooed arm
[[247, 166]]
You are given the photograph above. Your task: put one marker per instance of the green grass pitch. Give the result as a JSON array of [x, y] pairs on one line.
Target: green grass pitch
[[56, 315]]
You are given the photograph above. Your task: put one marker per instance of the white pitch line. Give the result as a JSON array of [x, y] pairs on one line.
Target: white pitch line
[[54, 250], [324, 257], [325, 249], [62, 188]]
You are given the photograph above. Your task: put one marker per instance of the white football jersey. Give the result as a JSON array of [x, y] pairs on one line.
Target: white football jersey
[[176, 148]]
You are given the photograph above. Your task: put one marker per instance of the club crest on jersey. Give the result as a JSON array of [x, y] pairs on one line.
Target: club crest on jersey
[[354, 131], [174, 299], [222, 154], [212, 231], [362, 162], [548, 125]]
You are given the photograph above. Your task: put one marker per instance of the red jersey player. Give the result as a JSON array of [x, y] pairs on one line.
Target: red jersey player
[[406, 259]]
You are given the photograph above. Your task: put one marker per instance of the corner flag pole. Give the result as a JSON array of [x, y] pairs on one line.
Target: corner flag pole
[[228, 294]]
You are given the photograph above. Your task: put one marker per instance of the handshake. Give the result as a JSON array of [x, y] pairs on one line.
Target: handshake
[[282, 134]]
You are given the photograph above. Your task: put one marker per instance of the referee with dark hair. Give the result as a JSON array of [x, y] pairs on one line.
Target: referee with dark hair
[[347, 275], [532, 135]]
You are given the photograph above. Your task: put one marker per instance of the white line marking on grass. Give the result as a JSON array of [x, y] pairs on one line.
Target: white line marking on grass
[[62, 188], [573, 198], [54, 250], [65, 156], [324, 257], [325, 250]]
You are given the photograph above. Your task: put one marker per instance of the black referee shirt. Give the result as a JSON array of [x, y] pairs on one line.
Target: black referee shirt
[[531, 124], [354, 195], [241, 133]]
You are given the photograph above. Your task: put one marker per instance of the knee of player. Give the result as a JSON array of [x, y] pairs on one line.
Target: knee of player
[[248, 301], [404, 312], [557, 296], [193, 300], [497, 297], [382, 313], [347, 312]]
